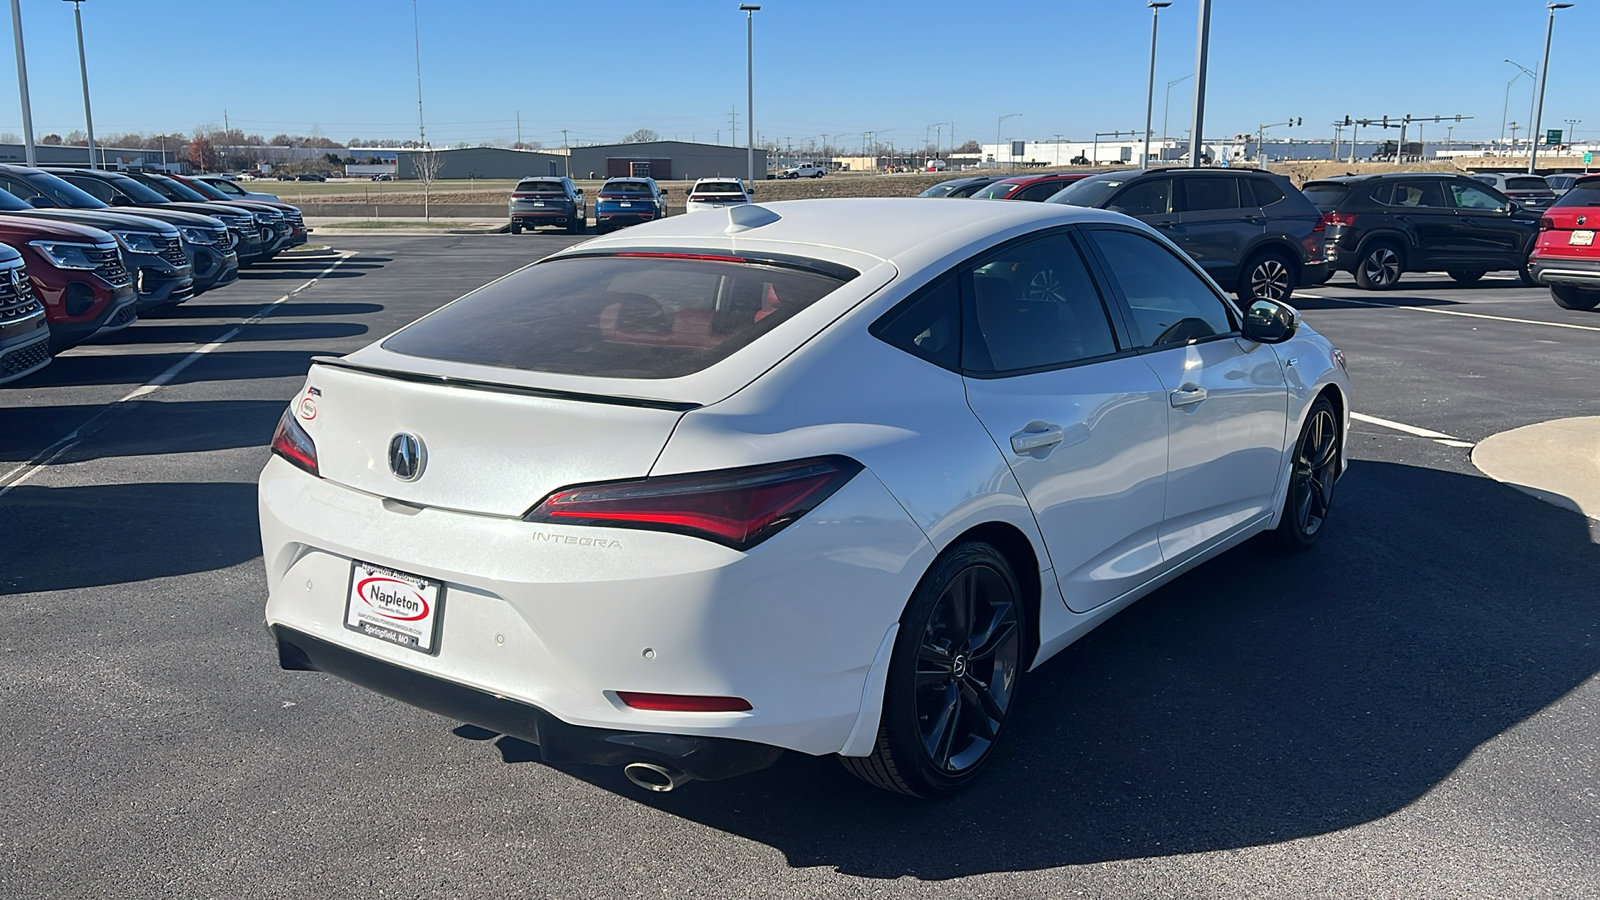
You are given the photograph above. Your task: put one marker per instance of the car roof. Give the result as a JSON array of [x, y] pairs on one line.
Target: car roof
[[1047, 176], [1384, 176]]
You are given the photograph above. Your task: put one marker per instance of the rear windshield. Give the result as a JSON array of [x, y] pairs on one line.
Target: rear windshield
[[1325, 196], [1527, 183], [718, 187], [626, 187], [541, 187], [616, 317], [1584, 193]]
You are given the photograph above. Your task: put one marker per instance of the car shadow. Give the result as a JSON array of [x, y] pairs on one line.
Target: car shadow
[[137, 368], [154, 333], [1258, 699], [1401, 296], [258, 274], [204, 310], [139, 427], [103, 534]]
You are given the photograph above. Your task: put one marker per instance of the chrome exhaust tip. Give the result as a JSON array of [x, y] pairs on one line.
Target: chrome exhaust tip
[[652, 777]]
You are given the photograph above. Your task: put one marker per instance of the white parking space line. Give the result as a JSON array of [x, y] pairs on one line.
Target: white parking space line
[[24, 471], [1438, 437], [1449, 312]]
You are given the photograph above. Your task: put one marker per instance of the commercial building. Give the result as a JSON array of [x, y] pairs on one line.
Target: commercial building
[[662, 160]]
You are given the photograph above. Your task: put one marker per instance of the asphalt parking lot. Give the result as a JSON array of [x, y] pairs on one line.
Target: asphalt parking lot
[[1409, 710]]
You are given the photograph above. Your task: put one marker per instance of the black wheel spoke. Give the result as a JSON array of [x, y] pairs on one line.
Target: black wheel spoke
[[999, 632]]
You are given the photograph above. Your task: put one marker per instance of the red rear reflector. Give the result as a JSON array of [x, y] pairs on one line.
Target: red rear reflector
[[682, 702], [738, 508], [291, 442]]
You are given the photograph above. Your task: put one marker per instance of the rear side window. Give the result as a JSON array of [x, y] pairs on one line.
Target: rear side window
[[1265, 192], [1038, 193], [1201, 194], [927, 324], [616, 317], [1410, 194], [1584, 193], [1325, 196], [1148, 197], [1034, 306]]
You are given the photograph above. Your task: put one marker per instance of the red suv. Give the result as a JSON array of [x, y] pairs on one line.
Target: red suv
[[77, 273], [1566, 256], [1037, 188]]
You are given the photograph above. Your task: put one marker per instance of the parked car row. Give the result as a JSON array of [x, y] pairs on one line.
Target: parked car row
[[1257, 234], [90, 250], [621, 202]]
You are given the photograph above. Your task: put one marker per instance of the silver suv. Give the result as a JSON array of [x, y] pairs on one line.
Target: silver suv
[[548, 201]]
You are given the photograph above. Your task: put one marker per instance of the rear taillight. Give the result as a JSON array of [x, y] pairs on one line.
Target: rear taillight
[[1546, 223], [682, 702], [292, 443], [1338, 219], [738, 508]]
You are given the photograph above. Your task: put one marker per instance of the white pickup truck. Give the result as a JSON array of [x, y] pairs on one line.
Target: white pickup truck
[[804, 170]]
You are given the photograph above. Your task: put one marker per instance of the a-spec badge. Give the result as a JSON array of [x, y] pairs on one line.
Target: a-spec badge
[[406, 456]]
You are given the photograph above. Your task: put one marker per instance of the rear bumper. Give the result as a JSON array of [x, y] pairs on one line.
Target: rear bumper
[[1555, 270], [544, 217], [704, 758], [1314, 273]]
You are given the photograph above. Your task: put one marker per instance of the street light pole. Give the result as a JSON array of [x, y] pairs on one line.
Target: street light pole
[[1167, 105], [22, 84], [1506, 106], [83, 70], [997, 139], [1544, 74], [1156, 6], [416, 36], [1202, 47], [750, 89]]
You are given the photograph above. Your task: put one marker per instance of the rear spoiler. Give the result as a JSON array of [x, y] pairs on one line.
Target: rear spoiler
[[500, 388]]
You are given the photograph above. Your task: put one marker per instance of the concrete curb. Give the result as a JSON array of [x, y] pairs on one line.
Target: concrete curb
[[1557, 461]]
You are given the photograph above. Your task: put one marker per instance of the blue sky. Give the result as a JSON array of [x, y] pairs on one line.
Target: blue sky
[[603, 69]]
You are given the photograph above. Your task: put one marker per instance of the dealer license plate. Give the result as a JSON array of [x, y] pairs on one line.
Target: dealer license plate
[[394, 606], [624, 203], [1580, 238], [538, 203]]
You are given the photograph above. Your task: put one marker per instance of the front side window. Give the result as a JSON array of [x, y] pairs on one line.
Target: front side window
[[1468, 196], [1000, 190], [646, 315], [1171, 304], [1216, 192], [1038, 193], [1034, 306], [1152, 197]]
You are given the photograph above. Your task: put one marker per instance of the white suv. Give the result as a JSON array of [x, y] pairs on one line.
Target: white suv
[[715, 193]]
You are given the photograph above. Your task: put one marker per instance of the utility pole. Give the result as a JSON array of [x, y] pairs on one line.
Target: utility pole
[[750, 89], [997, 139], [733, 123], [1202, 48], [566, 151], [83, 71], [1156, 6], [1572, 130], [22, 84], [519, 128], [1544, 74]]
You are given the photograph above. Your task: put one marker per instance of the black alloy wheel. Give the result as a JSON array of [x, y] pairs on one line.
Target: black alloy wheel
[[1267, 277], [952, 679], [1313, 473], [1379, 268], [1466, 276]]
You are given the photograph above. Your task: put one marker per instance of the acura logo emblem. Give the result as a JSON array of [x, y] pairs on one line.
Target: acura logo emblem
[[406, 456]]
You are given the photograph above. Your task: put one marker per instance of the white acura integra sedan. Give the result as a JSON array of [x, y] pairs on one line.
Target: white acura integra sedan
[[824, 476]]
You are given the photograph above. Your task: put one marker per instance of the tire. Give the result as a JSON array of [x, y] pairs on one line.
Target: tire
[[578, 226], [1313, 472], [1525, 275], [1466, 276], [1568, 297], [938, 677], [516, 227], [1380, 266], [1267, 276]]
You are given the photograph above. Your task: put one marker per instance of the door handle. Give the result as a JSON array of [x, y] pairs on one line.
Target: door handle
[[1165, 224], [1255, 220], [1032, 441], [1188, 395]]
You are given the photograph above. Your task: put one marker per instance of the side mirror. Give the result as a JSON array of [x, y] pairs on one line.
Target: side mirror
[[665, 192], [40, 201], [1270, 322], [580, 192], [1513, 206]]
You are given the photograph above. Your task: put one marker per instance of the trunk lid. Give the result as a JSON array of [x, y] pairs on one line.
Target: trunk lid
[[489, 449]]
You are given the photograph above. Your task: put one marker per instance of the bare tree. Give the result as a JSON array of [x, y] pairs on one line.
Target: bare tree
[[642, 136], [428, 164]]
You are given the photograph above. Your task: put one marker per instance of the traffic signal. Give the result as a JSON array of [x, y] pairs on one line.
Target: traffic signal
[[1386, 121], [1347, 122], [1299, 120]]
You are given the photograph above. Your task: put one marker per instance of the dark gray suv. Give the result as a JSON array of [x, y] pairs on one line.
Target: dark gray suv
[[548, 201], [1252, 231]]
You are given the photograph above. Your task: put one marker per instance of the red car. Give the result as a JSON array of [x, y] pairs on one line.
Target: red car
[[77, 273], [1567, 257], [1037, 188]]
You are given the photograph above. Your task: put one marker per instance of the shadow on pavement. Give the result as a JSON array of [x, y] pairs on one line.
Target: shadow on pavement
[[140, 427], [204, 310], [124, 533], [1367, 300], [136, 368], [1258, 699], [154, 333]]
